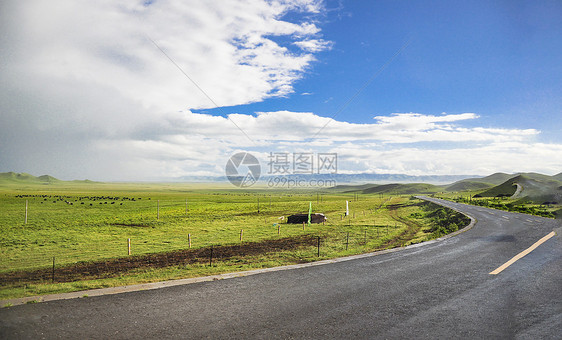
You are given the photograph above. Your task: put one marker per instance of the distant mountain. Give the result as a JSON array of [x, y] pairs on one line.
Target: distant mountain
[[344, 178], [533, 187], [393, 188], [7, 178], [505, 189], [403, 189], [468, 185], [48, 179], [12, 177], [494, 179], [353, 188]]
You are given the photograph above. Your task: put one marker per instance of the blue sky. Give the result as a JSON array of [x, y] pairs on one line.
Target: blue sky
[[475, 90], [500, 59]]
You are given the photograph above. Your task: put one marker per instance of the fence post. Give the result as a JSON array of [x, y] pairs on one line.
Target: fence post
[[53, 276], [241, 234], [129, 246], [278, 229], [318, 246], [347, 241], [189, 239]]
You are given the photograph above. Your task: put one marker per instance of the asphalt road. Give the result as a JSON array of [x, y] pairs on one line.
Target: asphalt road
[[438, 290]]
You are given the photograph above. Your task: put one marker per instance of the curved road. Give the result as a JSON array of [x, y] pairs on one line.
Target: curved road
[[439, 290]]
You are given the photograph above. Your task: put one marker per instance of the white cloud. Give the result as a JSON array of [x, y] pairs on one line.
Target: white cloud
[[201, 144], [85, 94], [314, 45], [479, 160], [81, 80], [224, 47], [416, 121], [397, 128]]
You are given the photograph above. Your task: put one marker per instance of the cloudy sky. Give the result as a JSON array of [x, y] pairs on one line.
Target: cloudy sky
[[156, 90]]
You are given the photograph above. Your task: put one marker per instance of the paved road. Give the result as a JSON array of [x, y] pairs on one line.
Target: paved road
[[439, 290]]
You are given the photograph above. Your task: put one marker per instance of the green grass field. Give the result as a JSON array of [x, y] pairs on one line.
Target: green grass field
[[73, 222]]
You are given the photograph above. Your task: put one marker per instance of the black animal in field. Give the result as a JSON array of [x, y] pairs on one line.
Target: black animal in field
[[303, 218]]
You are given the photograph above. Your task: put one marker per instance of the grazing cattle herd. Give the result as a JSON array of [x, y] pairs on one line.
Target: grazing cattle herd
[[90, 200], [70, 200]]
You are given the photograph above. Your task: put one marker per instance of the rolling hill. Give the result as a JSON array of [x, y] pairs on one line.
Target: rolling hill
[[529, 187], [533, 186], [467, 185], [491, 180], [393, 188], [13, 177], [558, 177], [401, 189]]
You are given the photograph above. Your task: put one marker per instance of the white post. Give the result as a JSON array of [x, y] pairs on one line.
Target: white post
[[346, 208]]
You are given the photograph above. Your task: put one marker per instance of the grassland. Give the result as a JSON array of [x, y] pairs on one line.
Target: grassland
[[84, 222], [529, 193]]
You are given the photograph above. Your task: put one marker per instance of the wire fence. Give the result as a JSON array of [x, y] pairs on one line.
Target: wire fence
[[102, 239], [310, 244]]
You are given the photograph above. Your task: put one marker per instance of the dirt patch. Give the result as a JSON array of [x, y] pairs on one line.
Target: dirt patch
[[408, 234], [131, 225], [119, 266]]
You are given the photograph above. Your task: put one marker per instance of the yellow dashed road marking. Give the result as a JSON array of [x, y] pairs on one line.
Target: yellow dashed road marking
[[523, 253]]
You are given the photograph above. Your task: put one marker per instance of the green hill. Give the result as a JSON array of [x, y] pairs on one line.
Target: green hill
[[538, 177], [402, 189], [23, 178], [558, 177], [47, 179], [506, 189], [14, 177], [532, 187], [468, 186], [353, 188], [494, 179]]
